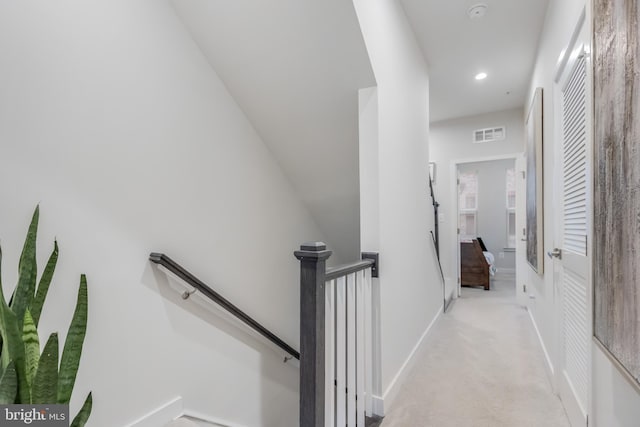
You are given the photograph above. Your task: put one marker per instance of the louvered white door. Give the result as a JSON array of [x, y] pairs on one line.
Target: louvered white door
[[572, 281]]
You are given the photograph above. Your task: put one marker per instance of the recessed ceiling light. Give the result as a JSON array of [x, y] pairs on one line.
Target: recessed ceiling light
[[481, 76], [477, 11]]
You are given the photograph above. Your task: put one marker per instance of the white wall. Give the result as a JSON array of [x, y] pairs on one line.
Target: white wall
[[369, 170], [295, 67], [492, 208], [559, 24], [113, 121], [451, 143], [411, 293], [614, 402]]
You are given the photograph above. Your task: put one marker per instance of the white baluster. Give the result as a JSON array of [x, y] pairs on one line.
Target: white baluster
[[341, 352], [360, 395], [368, 342], [330, 354], [351, 350]]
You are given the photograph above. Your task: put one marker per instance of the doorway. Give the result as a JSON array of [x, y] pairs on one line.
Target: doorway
[[486, 216]]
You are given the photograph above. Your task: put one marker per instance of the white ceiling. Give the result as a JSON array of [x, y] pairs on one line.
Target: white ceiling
[[295, 68], [503, 44]]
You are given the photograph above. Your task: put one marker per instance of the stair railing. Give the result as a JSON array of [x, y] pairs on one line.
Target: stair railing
[[436, 231], [337, 373], [199, 286], [336, 339]]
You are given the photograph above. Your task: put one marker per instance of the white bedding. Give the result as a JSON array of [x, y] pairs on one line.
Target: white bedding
[[490, 260]]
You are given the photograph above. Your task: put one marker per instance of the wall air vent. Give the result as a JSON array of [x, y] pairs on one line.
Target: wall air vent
[[489, 134]]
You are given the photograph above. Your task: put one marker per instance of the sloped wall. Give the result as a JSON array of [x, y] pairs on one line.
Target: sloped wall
[[295, 67], [115, 123]]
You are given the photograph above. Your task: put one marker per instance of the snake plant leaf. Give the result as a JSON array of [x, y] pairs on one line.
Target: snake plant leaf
[[43, 285], [27, 272], [73, 345], [45, 383], [31, 347], [2, 298], [8, 385], [81, 419], [13, 348], [12, 352], [1, 291]]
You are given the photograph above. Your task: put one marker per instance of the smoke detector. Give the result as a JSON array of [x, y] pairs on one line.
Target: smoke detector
[[477, 11]]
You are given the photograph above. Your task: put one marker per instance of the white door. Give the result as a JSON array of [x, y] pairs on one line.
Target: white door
[[572, 281]]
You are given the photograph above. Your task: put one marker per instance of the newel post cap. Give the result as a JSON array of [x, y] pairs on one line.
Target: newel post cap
[[313, 250]]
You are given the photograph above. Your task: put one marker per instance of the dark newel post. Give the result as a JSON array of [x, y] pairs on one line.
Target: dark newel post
[[313, 257]]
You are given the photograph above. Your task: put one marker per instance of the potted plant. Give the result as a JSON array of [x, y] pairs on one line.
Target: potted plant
[[29, 376]]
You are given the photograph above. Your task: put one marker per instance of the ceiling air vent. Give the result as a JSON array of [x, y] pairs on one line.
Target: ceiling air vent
[[489, 134]]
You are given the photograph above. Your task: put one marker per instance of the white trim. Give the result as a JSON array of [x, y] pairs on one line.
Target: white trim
[[572, 407], [486, 158], [378, 405], [161, 415], [206, 418], [549, 365], [394, 387], [453, 171], [566, 53], [173, 410], [522, 268]]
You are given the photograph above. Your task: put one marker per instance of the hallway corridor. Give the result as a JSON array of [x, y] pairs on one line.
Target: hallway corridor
[[483, 368]]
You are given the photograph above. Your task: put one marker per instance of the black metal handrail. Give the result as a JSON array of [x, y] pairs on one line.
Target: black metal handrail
[[436, 205], [435, 243], [181, 272]]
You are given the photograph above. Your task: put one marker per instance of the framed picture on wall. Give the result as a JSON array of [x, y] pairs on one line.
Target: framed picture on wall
[[534, 200], [616, 218]]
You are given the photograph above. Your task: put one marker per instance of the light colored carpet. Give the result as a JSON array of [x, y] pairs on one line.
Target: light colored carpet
[[482, 366]]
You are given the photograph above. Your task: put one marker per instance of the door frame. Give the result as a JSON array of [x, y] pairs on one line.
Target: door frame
[[580, 43], [522, 266], [453, 171]]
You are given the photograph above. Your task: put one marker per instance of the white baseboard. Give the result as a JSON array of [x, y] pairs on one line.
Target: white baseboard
[[197, 416], [394, 387], [173, 410], [378, 405], [452, 285], [161, 415], [549, 364]]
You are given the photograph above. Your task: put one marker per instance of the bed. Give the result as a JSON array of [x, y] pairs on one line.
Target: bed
[[476, 264]]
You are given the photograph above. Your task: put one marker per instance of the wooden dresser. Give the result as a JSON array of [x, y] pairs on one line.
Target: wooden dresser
[[474, 268]]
